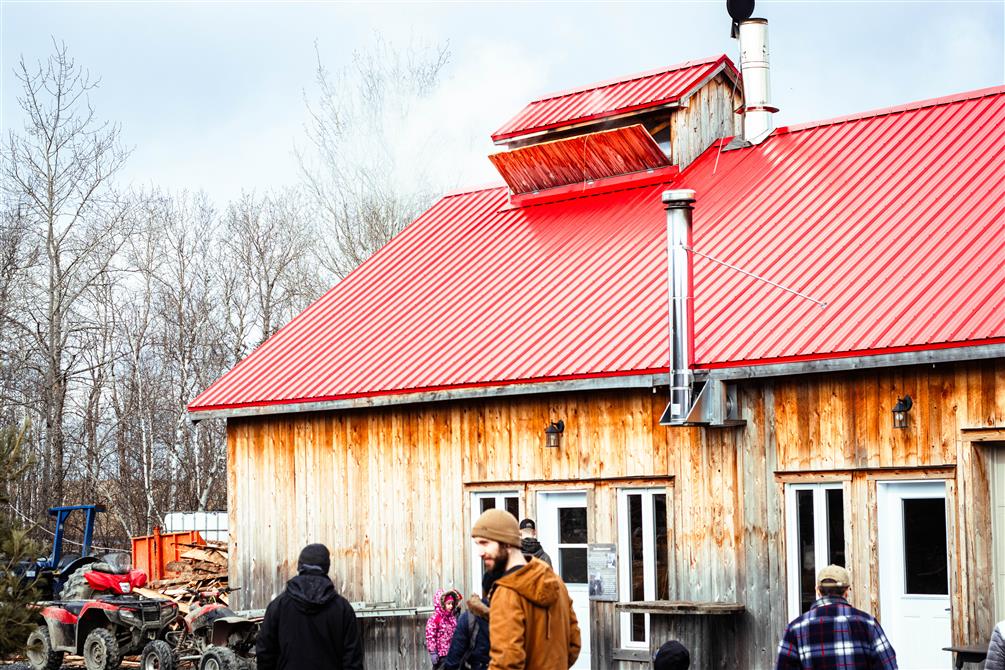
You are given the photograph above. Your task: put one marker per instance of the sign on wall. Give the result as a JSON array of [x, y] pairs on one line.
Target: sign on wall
[[602, 561]]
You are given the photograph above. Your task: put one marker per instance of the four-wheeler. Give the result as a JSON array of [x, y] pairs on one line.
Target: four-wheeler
[[103, 629], [211, 634], [50, 572]]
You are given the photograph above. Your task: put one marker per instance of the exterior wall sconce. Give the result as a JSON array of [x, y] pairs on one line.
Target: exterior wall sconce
[[900, 411], [553, 434]]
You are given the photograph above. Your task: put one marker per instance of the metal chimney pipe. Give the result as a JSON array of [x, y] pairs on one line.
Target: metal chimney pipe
[[757, 108], [678, 206]]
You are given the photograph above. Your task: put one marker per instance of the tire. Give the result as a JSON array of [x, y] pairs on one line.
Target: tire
[[40, 653], [101, 650], [157, 656], [220, 658]]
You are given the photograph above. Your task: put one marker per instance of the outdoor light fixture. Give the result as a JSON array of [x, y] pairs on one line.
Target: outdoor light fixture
[[553, 433], [900, 411]]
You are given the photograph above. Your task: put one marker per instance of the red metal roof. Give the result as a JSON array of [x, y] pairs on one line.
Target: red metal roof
[[581, 158], [636, 92], [895, 219]]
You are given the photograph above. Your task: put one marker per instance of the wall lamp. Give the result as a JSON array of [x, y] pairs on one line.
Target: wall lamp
[[900, 411], [553, 434]]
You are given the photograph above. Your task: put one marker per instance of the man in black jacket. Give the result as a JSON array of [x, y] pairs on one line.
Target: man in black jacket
[[309, 625], [529, 543]]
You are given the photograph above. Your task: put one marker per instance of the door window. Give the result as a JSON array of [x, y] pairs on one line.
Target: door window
[[482, 501], [815, 537], [925, 569], [572, 546], [643, 557]]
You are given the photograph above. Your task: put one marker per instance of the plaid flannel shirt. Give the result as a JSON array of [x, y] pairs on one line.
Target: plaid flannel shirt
[[833, 635]]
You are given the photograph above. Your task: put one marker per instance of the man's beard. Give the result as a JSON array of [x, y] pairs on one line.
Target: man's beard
[[497, 571]]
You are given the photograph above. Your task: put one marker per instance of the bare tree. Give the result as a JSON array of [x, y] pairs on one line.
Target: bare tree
[[269, 244], [363, 186], [60, 167]]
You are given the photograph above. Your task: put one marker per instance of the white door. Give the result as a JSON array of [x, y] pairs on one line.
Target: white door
[[914, 572], [562, 531], [482, 501]]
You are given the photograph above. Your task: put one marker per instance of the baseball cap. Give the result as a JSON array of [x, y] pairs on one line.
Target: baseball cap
[[833, 575], [528, 523]]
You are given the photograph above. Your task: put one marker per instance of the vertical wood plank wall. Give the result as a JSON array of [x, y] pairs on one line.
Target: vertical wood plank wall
[[387, 490], [706, 116]]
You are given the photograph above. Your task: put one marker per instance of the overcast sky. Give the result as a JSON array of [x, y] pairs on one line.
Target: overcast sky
[[210, 95]]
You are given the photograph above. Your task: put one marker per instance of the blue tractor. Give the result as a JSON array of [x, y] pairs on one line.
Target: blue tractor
[[51, 572]]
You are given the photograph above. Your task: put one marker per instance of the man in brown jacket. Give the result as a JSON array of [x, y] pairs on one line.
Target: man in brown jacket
[[532, 626]]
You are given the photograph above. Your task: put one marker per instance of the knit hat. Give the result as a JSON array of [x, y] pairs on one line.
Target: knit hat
[[671, 655], [314, 558], [498, 525], [834, 576]]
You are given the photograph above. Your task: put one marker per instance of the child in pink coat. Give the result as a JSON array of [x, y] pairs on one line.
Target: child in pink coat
[[440, 627]]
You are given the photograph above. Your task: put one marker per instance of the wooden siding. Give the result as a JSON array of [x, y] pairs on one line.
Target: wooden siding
[[388, 490], [706, 116]]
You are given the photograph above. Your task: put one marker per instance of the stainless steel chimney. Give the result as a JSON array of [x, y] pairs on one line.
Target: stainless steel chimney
[[755, 67], [678, 206]]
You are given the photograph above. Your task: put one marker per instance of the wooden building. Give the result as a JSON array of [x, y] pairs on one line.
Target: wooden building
[[830, 271]]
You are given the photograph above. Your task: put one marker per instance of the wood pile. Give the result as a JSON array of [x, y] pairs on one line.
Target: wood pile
[[201, 566]]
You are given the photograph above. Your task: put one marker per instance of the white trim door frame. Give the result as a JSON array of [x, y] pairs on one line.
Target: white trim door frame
[[481, 501], [823, 553], [560, 515], [913, 580]]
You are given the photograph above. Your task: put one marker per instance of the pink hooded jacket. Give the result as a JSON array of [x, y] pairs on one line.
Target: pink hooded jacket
[[440, 627]]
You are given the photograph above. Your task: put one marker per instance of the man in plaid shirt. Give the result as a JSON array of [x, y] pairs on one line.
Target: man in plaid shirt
[[833, 635]]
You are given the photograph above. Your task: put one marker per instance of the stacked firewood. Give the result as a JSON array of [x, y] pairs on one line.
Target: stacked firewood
[[200, 566]]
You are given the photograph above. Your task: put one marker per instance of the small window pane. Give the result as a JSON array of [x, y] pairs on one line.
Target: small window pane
[[488, 503], [637, 559], [638, 627], [835, 527], [513, 506], [573, 565], [662, 548], [925, 547], [572, 525], [807, 554]]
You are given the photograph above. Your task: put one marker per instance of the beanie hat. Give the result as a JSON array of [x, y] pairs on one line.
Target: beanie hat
[[314, 558], [498, 525], [671, 656]]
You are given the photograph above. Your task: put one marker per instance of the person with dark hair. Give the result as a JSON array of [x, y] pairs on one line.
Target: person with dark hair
[[833, 634], [309, 625], [532, 625], [671, 655], [529, 543]]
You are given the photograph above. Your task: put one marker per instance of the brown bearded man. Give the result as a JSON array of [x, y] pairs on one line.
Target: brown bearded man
[[532, 626]]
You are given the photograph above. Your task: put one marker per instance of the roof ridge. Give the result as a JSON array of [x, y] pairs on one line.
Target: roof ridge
[[633, 77], [895, 109]]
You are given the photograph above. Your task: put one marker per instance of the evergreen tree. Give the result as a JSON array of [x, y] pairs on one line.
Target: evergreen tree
[[15, 596]]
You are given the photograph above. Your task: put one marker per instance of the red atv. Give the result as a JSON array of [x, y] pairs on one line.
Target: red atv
[[102, 629], [211, 634]]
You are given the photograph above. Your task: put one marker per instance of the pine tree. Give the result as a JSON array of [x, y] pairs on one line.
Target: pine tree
[[16, 618]]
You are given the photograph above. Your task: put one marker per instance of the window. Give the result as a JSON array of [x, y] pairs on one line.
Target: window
[[815, 537], [643, 557], [482, 501]]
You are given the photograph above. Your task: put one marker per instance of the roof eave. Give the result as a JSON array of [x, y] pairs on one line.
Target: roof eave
[[623, 381], [865, 362]]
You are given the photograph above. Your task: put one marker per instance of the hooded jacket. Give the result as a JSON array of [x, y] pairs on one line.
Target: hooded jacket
[[465, 652], [309, 625], [532, 626], [440, 627]]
